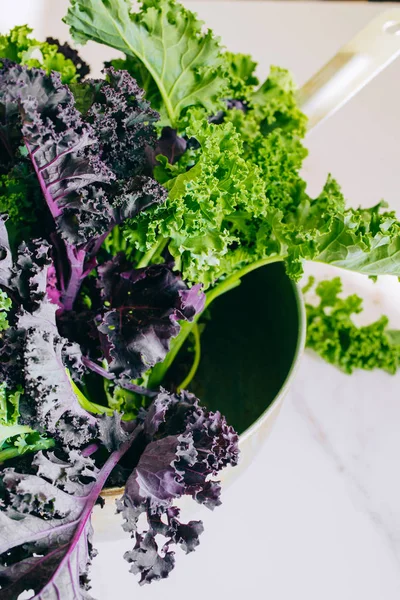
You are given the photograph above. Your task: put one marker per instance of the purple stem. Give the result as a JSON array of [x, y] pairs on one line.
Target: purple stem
[[90, 364], [132, 387], [104, 474], [138, 389], [76, 259], [55, 211], [80, 268], [99, 242], [89, 450]]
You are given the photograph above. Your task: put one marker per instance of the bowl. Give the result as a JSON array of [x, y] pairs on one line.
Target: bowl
[[251, 349]]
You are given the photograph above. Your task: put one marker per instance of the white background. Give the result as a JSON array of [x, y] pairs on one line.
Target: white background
[[317, 515]]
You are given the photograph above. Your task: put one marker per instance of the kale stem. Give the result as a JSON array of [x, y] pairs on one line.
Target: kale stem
[[159, 371], [196, 361], [152, 253]]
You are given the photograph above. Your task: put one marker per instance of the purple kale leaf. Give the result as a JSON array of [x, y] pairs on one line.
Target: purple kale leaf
[[46, 541], [170, 144], [122, 121], [11, 357], [26, 283], [29, 273], [91, 172], [145, 307], [186, 447], [63, 148], [51, 404], [111, 432]]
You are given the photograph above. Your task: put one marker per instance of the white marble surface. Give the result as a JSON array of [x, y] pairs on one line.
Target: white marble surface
[[317, 516]]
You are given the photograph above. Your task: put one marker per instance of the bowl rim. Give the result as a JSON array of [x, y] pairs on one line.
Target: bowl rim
[[275, 404]]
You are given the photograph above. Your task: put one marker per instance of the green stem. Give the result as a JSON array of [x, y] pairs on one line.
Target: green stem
[[159, 371], [116, 237], [152, 253], [87, 404], [196, 361]]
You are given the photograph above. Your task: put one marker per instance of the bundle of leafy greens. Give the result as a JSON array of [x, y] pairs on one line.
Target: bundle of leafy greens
[[128, 205], [80, 328]]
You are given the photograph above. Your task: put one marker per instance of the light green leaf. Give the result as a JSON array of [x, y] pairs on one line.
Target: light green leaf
[[19, 47], [183, 62], [200, 216], [5, 305], [332, 333], [352, 244], [9, 431]]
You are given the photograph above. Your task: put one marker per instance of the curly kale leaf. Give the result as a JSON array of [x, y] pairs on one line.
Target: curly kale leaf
[[122, 121], [76, 158], [324, 230], [227, 213], [77, 161], [208, 207], [20, 200], [5, 254], [19, 47], [51, 404], [274, 104], [242, 79], [186, 447], [332, 333], [169, 54], [82, 68], [35, 357], [17, 439], [46, 542], [143, 310], [30, 273]]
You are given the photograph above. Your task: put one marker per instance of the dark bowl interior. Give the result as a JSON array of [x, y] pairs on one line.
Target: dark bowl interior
[[249, 345]]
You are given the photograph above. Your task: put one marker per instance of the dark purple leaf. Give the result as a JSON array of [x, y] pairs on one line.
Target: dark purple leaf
[[147, 561], [170, 144], [145, 307], [77, 161], [111, 432], [11, 357], [187, 446], [122, 120], [30, 272]]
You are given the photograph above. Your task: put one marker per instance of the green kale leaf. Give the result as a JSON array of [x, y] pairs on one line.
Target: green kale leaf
[[5, 305], [20, 199], [15, 438], [169, 55], [209, 209], [332, 333], [19, 47]]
